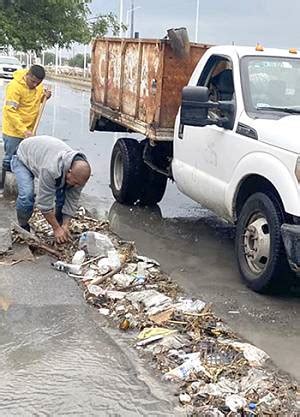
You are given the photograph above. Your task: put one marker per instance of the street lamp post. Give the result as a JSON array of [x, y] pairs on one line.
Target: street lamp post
[[127, 19], [197, 21], [132, 19], [121, 18]]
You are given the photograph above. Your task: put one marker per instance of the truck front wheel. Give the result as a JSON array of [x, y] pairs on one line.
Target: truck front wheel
[[125, 170], [259, 248]]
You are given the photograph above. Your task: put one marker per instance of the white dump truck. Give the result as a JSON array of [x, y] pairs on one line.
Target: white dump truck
[[223, 123]]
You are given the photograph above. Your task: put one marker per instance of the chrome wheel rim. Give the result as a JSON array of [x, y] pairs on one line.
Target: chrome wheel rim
[[257, 243], [118, 171]]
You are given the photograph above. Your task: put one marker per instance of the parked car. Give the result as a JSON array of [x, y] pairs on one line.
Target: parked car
[[8, 65]]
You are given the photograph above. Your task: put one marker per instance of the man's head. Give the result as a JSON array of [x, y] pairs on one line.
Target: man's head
[[35, 76], [78, 174]]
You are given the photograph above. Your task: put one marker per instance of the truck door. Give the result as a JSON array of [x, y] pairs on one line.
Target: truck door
[[205, 156]]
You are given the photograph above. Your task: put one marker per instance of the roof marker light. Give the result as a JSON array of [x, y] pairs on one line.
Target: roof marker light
[[293, 51], [259, 47]]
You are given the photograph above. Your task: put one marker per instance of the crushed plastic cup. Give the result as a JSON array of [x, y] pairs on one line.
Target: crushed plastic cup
[[95, 244], [78, 257]]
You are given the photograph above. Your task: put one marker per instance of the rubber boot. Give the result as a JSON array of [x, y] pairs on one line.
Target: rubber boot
[[2, 181], [23, 219]]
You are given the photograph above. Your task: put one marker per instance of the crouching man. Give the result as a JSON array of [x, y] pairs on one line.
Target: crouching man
[[62, 173]]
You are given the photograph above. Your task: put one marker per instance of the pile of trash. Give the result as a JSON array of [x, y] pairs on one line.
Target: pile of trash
[[217, 373]]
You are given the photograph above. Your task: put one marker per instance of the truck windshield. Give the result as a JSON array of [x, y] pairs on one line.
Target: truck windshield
[[271, 85]]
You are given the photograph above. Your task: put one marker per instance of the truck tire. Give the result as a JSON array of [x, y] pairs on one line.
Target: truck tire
[[126, 170], [259, 248], [153, 187], [154, 184]]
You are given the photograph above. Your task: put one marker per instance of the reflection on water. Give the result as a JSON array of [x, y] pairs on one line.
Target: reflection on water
[[55, 362]]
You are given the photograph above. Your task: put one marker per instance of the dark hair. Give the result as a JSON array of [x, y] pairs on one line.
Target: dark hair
[[38, 71]]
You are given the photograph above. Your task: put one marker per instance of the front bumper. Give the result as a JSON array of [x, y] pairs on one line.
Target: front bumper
[[6, 74], [291, 238]]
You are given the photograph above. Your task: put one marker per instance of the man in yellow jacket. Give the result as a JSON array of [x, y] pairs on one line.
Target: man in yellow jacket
[[21, 107]]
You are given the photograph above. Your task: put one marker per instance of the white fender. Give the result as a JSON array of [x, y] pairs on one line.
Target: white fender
[[272, 169]]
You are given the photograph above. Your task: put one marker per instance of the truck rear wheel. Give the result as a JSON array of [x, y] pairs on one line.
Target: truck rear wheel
[[153, 187], [131, 179], [259, 247], [125, 170]]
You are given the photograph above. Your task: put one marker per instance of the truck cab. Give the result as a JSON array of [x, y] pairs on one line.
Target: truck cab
[[236, 151]]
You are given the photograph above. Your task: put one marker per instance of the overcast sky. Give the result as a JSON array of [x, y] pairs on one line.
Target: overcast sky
[[274, 23]]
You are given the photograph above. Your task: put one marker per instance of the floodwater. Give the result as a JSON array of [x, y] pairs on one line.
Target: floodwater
[[61, 350]]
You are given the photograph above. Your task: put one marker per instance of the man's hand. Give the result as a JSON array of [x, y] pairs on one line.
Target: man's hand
[[65, 226], [61, 235], [47, 93], [28, 133]]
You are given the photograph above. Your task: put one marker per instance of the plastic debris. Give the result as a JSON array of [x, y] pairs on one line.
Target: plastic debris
[[189, 306], [254, 355], [89, 275], [78, 257], [235, 402], [95, 244], [185, 398], [216, 372], [67, 268], [104, 311], [150, 335], [115, 295], [148, 261], [95, 290], [123, 280], [192, 364], [141, 272], [153, 301]]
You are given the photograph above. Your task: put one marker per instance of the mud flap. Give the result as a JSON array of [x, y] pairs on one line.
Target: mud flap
[[291, 238]]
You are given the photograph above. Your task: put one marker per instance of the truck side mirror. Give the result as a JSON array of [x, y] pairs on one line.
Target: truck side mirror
[[194, 106]]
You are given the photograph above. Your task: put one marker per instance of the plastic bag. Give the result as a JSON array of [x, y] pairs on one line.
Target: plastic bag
[[95, 244]]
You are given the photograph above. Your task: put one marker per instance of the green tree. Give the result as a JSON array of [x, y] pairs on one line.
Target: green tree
[[78, 60], [49, 58], [104, 23], [40, 24]]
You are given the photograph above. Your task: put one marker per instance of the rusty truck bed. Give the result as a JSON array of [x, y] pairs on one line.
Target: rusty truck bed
[[137, 84]]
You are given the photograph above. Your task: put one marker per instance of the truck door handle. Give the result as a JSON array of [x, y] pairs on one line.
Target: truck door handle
[[180, 131]]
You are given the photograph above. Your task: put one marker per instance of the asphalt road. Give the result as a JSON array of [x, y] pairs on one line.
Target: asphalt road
[[192, 245]]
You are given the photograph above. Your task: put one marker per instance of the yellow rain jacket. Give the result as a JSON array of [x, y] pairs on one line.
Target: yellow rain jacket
[[21, 105]]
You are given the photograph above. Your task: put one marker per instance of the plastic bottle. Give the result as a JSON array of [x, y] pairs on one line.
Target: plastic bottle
[[95, 244], [140, 273]]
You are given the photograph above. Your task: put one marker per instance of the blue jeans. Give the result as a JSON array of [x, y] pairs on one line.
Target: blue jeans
[[26, 196], [11, 145]]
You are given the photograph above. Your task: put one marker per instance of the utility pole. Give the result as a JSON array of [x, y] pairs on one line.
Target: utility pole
[[121, 19], [132, 19], [56, 59], [84, 61], [197, 21]]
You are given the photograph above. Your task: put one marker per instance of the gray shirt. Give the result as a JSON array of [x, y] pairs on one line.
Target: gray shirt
[[49, 159]]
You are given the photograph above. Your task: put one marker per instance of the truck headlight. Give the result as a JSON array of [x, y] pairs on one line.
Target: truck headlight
[[297, 169]]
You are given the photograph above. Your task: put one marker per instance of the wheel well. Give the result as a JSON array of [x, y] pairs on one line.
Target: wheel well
[[254, 184]]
